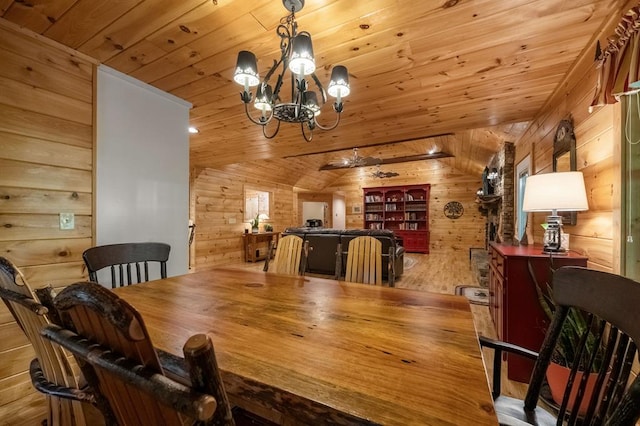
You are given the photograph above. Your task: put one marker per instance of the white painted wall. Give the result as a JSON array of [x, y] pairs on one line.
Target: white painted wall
[[142, 166], [339, 212], [313, 210]]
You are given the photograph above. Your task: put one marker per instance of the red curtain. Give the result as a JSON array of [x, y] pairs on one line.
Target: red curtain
[[619, 63]]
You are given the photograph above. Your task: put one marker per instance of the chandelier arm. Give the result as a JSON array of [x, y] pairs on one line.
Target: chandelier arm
[[306, 138], [319, 85], [273, 68], [264, 129], [262, 121], [320, 126]]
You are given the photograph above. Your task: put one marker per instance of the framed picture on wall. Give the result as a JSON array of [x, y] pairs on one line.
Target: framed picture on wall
[[356, 209]]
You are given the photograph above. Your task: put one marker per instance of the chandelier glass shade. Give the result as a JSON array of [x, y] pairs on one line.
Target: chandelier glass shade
[[296, 56]]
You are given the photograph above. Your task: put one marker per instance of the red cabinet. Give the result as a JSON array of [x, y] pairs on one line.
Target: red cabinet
[[513, 300], [404, 210]]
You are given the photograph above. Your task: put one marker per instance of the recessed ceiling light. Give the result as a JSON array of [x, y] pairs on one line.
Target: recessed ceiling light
[[193, 130]]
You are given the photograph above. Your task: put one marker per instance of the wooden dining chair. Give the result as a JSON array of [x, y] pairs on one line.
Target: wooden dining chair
[[121, 259], [608, 304], [109, 339], [290, 258], [364, 261], [53, 372]]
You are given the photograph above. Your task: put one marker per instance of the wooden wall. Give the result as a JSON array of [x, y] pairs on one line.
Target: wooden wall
[[597, 233], [46, 163], [447, 184], [217, 198]]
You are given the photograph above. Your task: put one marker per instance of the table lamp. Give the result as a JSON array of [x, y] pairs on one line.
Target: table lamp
[[262, 217], [555, 192]]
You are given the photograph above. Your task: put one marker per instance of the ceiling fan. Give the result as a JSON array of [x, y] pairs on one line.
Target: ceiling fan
[[354, 161], [380, 174]]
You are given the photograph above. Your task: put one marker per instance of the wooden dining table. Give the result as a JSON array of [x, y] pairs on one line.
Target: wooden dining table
[[304, 350]]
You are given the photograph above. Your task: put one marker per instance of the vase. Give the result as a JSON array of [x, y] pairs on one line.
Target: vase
[[557, 377], [254, 230]]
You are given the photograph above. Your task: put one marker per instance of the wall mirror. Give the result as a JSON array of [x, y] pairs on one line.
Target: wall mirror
[[564, 159], [256, 202]]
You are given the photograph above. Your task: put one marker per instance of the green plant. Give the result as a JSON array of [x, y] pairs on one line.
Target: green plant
[[574, 327], [268, 227], [255, 222]]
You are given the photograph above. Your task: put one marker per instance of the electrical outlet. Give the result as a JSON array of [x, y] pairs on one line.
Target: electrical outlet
[[67, 221]]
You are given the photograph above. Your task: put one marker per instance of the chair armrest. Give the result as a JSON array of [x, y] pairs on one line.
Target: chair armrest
[[46, 387], [338, 272], [270, 252], [499, 347], [391, 276], [174, 367], [162, 388]]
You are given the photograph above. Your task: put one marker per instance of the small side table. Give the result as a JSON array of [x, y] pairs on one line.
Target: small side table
[[256, 245]]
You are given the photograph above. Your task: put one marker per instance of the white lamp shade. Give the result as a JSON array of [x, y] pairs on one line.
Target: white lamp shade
[[246, 69], [302, 60], [339, 83], [561, 191], [263, 97]]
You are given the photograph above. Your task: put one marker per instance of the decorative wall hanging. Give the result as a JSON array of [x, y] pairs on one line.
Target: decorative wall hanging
[[453, 210]]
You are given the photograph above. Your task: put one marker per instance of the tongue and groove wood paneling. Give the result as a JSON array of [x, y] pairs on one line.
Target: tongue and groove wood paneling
[[46, 166]]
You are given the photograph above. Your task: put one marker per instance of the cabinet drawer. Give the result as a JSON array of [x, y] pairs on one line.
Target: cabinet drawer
[[497, 262]]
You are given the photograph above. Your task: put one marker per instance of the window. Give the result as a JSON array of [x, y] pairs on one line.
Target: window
[[256, 202], [630, 152]]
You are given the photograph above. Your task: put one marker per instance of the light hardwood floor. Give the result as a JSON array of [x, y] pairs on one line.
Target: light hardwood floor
[[435, 272]]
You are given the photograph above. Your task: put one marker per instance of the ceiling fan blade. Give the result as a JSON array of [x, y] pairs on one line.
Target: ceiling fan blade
[[370, 161]]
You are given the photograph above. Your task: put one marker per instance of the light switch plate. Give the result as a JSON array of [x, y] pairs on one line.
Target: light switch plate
[[232, 220], [67, 221]]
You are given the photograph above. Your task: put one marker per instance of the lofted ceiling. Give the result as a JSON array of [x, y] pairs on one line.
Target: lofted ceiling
[[474, 72]]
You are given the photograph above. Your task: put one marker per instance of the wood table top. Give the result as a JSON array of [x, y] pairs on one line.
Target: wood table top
[[318, 351]]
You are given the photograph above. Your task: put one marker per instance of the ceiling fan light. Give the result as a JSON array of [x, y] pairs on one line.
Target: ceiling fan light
[[302, 60], [339, 84], [263, 97], [246, 69]]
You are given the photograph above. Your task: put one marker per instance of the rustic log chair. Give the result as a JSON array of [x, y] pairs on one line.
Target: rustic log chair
[[122, 257], [364, 261], [610, 305], [110, 342], [52, 372], [291, 254]]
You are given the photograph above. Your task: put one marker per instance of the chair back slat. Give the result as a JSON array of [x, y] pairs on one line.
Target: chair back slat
[[31, 316], [110, 339], [120, 258], [364, 261]]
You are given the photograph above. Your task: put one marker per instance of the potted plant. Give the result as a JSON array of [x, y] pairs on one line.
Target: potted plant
[[560, 367], [255, 224], [268, 227]]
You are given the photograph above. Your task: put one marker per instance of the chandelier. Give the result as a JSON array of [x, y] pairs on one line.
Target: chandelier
[[296, 55]]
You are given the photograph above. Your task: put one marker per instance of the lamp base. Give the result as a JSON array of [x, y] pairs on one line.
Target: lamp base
[[555, 251]]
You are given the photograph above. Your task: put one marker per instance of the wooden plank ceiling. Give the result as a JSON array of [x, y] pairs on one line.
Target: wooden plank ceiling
[[477, 70]]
